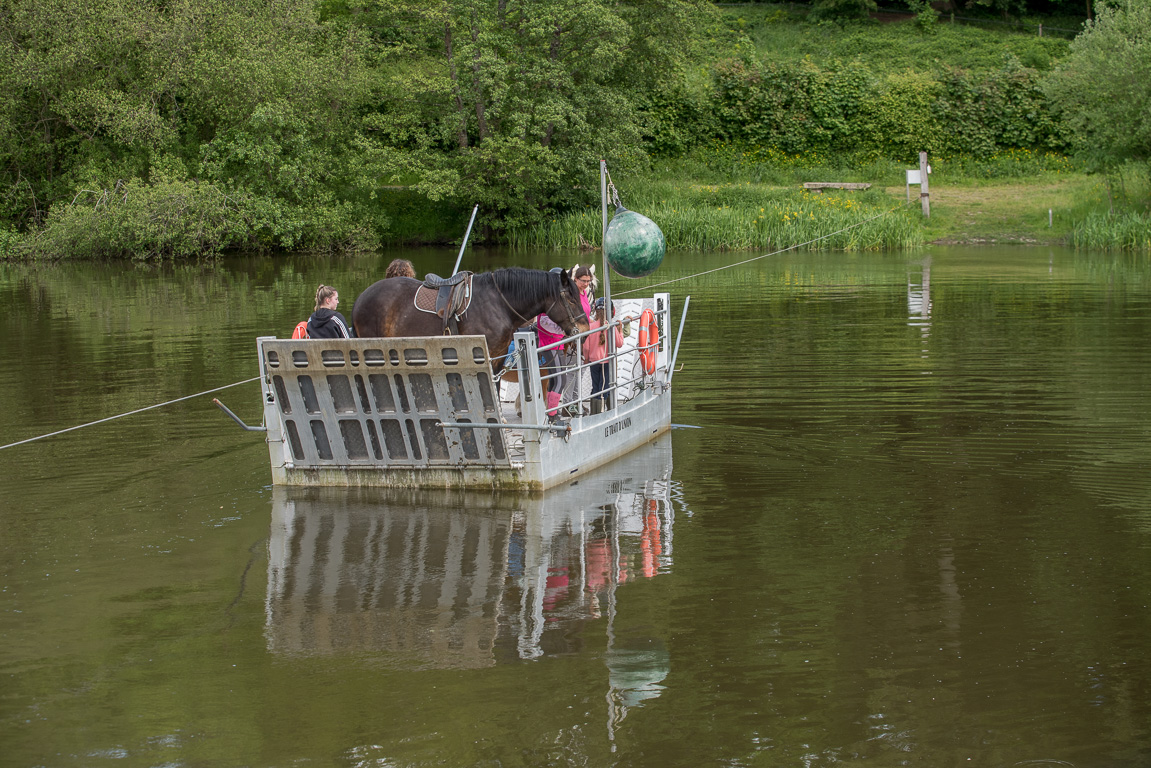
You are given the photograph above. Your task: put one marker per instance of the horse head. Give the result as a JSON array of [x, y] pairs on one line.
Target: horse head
[[567, 310]]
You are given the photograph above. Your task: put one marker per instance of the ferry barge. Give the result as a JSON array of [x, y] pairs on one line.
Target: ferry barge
[[427, 412]]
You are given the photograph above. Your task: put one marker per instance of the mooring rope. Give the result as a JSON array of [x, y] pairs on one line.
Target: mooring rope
[[130, 413], [613, 193], [766, 255]]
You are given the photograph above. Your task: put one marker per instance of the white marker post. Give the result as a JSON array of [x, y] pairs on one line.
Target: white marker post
[[919, 176], [924, 190]]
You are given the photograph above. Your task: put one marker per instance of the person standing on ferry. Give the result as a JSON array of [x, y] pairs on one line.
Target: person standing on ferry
[[551, 361], [584, 277], [326, 322], [595, 349]]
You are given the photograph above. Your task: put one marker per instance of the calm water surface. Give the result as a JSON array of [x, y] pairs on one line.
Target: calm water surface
[[911, 526]]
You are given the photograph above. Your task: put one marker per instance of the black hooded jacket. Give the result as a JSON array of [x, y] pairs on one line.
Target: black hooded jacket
[[328, 324]]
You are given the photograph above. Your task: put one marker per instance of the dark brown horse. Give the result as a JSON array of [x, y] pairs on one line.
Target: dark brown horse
[[502, 301]]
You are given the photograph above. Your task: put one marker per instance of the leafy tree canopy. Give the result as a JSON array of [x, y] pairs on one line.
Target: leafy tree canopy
[[255, 100], [1103, 88], [512, 104]]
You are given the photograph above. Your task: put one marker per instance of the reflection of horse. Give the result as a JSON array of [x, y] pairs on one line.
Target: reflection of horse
[[501, 302]]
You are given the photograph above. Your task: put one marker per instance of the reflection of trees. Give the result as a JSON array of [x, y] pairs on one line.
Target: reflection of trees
[[810, 340]]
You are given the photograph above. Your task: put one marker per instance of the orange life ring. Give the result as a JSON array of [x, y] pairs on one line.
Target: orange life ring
[[648, 341]]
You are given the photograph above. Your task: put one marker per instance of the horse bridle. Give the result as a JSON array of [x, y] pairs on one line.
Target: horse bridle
[[574, 328]]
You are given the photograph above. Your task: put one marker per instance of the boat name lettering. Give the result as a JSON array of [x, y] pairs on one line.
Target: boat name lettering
[[618, 426]]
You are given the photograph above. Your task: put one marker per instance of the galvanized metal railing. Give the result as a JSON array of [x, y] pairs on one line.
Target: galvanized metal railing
[[625, 374]]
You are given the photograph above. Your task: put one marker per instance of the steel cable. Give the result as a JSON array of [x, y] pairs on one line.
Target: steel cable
[[129, 413]]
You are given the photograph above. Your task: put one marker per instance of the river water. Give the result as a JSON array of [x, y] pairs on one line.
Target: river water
[[905, 519]]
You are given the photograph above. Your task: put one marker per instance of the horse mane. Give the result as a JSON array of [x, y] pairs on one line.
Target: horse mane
[[523, 286]]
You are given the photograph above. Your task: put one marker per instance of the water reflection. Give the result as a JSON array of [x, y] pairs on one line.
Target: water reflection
[[881, 565], [919, 298], [469, 579]]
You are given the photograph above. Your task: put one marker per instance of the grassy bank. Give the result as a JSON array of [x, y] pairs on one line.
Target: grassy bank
[[757, 203], [724, 197], [1061, 207], [754, 200], [784, 33]]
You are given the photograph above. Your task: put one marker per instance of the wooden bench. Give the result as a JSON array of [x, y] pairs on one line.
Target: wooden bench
[[819, 186]]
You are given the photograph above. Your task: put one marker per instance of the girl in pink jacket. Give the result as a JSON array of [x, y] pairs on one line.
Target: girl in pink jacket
[[595, 349]]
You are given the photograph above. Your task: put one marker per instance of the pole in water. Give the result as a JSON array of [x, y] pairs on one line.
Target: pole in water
[[465, 243], [611, 350], [678, 339]]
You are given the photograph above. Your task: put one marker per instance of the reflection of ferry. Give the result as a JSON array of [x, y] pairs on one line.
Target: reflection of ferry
[[454, 578]]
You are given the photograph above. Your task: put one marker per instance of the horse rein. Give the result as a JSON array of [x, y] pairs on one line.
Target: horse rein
[[507, 303]]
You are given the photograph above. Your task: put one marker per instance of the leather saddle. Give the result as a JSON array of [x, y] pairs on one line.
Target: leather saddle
[[446, 297]]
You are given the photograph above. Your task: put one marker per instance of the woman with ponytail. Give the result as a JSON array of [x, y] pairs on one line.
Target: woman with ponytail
[[326, 322]]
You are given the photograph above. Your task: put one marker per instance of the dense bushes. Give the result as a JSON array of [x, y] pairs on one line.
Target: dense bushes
[[1104, 86], [185, 219], [797, 107], [171, 129]]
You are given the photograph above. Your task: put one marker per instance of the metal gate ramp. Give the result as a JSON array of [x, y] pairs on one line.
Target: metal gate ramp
[[372, 412]]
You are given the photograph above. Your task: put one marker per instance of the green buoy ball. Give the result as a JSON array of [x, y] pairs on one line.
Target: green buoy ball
[[633, 244]]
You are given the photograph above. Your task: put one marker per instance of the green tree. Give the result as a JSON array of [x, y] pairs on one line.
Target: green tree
[[512, 104], [245, 103], [1103, 88], [1005, 8]]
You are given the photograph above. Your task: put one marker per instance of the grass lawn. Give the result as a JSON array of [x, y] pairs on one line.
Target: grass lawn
[[1010, 211]]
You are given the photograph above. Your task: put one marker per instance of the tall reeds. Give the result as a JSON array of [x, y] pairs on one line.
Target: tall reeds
[[1113, 232], [744, 217]]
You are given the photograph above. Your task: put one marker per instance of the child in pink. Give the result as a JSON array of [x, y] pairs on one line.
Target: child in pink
[[550, 333]]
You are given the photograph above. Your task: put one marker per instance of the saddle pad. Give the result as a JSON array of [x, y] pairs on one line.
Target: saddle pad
[[425, 299]]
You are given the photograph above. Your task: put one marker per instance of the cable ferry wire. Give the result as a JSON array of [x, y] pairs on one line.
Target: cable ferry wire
[[130, 413], [764, 256], [622, 293]]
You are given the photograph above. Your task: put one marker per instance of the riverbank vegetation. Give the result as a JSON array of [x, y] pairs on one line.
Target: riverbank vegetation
[[747, 216], [144, 130]]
